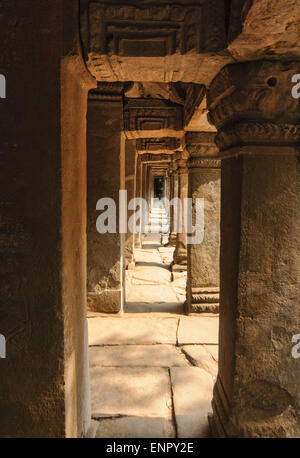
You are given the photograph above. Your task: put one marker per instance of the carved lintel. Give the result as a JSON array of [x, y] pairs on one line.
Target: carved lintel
[[158, 144], [114, 34], [155, 158], [152, 114], [251, 104]]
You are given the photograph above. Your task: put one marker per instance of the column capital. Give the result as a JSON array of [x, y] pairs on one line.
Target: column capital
[[251, 103], [202, 150]]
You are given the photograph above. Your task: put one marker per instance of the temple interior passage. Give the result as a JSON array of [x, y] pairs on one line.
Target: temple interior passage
[[150, 216], [149, 286], [140, 361]]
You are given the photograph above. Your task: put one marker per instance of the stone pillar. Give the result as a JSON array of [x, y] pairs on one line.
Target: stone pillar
[[44, 390], [104, 281], [138, 171], [257, 390], [130, 149], [144, 194], [180, 254], [203, 274], [151, 193], [167, 185], [174, 195]]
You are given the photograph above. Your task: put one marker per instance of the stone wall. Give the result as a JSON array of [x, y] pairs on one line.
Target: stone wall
[[41, 315]]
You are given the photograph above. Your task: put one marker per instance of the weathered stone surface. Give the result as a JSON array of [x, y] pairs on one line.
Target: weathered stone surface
[[137, 355], [135, 427], [192, 393], [203, 274], [159, 42], [269, 30], [42, 162], [151, 273], [180, 252], [253, 112], [104, 124], [131, 391], [130, 152], [107, 301], [260, 208], [202, 330], [257, 319], [199, 356], [161, 145], [112, 331], [152, 117]]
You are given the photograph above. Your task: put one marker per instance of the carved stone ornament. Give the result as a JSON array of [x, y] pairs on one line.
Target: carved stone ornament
[[138, 42], [158, 144], [252, 104], [152, 114]]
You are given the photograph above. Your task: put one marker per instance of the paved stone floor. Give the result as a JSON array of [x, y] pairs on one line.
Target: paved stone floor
[[152, 369]]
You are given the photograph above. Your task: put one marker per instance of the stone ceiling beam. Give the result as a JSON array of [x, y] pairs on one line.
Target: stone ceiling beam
[[155, 158], [152, 118], [158, 145], [155, 41]]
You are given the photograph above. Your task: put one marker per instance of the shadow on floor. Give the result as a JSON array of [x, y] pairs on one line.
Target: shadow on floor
[[155, 307]]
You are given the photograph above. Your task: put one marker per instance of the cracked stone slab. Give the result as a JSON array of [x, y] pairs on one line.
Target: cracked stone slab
[[118, 331], [201, 357], [198, 330], [135, 427], [192, 395], [137, 355], [142, 392]]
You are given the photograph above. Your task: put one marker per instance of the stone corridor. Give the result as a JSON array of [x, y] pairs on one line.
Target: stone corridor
[[195, 103], [152, 369]]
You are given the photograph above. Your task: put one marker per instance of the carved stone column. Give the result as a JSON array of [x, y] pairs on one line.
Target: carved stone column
[[180, 254], [130, 148], [174, 195], [257, 390], [104, 278], [138, 172], [203, 256], [167, 185]]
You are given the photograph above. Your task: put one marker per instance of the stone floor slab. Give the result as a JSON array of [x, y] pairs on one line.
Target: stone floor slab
[[151, 272], [130, 331], [130, 391], [198, 330], [200, 357], [137, 355], [192, 394], [150, 293], [135, 427]]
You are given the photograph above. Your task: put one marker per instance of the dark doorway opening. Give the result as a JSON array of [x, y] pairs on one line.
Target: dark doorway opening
[[159, 185]]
